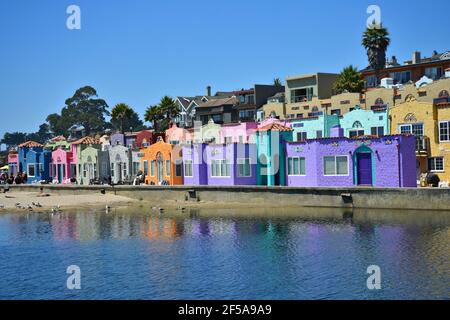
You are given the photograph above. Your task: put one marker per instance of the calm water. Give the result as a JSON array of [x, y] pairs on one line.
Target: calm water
[[196, 255]]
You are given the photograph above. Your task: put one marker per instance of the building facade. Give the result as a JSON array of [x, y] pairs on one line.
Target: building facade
[[162, 164], [313, 127], [343, 162], [359, 122], [35, 161], [62, 167], [220, 164]]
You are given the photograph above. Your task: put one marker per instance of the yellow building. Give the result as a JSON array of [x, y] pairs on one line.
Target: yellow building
[[430, 122]]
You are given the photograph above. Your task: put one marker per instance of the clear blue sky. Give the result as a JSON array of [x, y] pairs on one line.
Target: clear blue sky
[[139, 50]]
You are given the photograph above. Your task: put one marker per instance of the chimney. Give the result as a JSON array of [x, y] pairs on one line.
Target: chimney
[[416, 57], [208, 91]]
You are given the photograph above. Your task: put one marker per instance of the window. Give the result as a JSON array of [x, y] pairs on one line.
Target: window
[[296, 166], [188, 168], [228, 140], [178, 168], [371, 81], [335, 166], [416, 129], [377, 131], [95, 169], [41, 168], [433, 73], [220, 168], [302, 136], [244, 168], [85, 170], [355, 133], [152, 168], [319, 134], [436, 164], [444, 134], [124, 169], [167, 167], [112, 170], [401, 77], [241, 139], [135, 168], [302, 95], [31, 170], [145, 167]]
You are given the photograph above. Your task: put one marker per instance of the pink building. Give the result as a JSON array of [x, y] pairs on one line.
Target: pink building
[[176, 135], [13, 163], [62, 167], [271, 120], [243, 132]]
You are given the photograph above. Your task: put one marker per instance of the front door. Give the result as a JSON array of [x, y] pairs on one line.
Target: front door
[[364, 168], [60, 173]]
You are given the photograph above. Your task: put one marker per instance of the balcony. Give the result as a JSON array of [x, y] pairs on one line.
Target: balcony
[[422, 145], [296, 99]]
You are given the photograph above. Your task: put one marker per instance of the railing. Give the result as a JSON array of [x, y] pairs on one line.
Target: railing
[[295, 99]]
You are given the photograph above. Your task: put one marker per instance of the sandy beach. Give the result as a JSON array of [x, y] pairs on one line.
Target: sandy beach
[[22, 201]]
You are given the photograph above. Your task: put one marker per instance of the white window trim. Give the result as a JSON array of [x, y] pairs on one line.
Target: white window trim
[[443, 164], [287, 166], [410, 125], [250, 167], [221, 176], [28, 170], [335, 166], [192, 168], [439, 130]]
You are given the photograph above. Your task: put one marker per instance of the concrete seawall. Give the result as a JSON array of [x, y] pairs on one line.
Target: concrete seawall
[[260, 196]]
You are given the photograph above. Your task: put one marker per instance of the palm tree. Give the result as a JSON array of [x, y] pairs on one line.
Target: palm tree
[[121, 112], [348, 80], [154, 115], [376, 40], [277, 82], [169, 107]]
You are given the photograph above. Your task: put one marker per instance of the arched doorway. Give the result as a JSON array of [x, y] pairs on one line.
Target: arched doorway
[[364, 166], [159, 168]]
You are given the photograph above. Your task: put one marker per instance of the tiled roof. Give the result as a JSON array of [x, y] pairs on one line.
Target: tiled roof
[[274, 127], [30, 144], [87, 140]]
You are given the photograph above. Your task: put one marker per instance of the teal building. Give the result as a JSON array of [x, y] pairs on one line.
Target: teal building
[[313, 127], [271, 148], [360, 122]]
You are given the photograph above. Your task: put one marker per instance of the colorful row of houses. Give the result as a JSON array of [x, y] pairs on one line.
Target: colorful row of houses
[[245, 154]]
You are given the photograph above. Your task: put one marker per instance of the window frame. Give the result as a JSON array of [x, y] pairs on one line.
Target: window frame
[[28, 170], [188, 164], [434, 162], [289, 169], [239, 163], [448, 130], [335, 166]]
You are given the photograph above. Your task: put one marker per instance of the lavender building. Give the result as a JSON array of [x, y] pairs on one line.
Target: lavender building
[[338, 161], [220, 164]]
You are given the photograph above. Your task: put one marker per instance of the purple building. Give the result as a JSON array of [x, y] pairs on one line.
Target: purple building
[[338, 161], [220, 164]]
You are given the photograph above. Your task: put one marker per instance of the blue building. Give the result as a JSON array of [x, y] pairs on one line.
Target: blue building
[[35, 161]]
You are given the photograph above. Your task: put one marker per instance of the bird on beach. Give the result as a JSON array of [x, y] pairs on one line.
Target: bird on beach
[[18, 205], [107, 208], [2, 206]]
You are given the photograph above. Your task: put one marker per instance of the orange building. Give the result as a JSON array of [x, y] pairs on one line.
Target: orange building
[[162, 164]]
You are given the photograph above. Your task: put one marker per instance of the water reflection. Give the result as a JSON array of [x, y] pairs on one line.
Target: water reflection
[[252, 253]]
